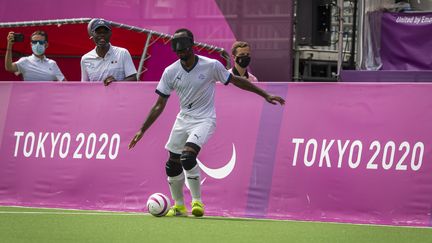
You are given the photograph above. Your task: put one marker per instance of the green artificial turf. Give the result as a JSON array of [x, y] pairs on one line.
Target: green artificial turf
[[50, 225]]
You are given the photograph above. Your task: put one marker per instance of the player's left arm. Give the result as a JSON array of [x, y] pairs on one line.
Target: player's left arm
[[245, 84]]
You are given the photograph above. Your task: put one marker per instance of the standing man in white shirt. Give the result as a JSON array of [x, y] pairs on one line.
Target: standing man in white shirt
[[36, 67], [106, 62], [193, 77]]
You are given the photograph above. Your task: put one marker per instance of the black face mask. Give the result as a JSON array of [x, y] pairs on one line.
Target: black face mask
[[243, 61], [181, 43]]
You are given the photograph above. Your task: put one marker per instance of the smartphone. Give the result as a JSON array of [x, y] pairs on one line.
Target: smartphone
[[18, 37]]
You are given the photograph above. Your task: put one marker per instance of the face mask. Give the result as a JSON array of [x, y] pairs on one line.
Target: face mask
[[38, 49], [243, 61]]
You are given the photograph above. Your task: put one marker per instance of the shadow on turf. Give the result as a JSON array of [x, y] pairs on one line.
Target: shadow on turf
[[227, 218]]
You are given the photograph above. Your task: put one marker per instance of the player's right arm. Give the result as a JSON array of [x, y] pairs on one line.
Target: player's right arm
[[154, 113], [9, 65], [245, 84]]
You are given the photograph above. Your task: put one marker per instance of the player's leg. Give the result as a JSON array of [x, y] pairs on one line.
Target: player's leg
[[189, 163], [199, 135], [174, 169], [176, 180]]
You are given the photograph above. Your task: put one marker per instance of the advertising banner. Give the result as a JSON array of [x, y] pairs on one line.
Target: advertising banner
[[340, 152], [405, 41]]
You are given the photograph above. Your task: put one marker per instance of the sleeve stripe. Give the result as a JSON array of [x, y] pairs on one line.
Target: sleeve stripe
[[161, 94], [228, 80]]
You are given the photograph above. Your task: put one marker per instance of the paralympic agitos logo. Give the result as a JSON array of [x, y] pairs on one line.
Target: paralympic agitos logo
[[218, 173]]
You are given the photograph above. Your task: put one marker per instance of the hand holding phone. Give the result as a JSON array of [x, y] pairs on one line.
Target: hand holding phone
[[18, 37]]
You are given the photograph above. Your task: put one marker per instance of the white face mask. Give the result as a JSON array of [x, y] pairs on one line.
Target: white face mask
[[38, 49]]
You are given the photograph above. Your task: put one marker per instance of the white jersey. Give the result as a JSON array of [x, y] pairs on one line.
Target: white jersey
[[117, 63], [196, 87], [33, 68]]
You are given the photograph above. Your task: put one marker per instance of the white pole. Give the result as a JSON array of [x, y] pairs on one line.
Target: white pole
[[143, 56]]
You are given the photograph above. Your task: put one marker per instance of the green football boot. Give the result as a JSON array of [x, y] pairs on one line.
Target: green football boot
[[197, 208], [177, 210]]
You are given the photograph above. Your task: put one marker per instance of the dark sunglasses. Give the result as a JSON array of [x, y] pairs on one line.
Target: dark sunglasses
[[41, 42]]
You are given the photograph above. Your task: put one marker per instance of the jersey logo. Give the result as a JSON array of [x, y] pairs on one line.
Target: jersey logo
[[179, 77], [202, 76]]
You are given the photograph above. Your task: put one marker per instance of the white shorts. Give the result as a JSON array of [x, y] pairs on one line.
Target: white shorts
[[187, 129]]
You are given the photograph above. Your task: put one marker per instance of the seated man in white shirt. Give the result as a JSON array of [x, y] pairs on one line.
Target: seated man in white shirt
[[106, 62], [36, 67], [241, 53]]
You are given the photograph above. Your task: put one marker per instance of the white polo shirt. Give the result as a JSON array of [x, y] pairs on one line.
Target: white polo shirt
[[196, 87], [117, 63], [33, 68]]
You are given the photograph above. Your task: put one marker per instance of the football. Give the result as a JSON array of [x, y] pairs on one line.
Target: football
[[158, 204]]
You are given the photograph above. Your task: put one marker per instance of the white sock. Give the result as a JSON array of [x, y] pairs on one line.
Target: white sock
[[194, 181], [176, 187]]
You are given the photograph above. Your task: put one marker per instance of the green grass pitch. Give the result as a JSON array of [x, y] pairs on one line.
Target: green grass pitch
[[52, 225]]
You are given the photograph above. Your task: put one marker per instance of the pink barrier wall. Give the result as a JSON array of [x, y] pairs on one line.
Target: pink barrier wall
[[358, 153]]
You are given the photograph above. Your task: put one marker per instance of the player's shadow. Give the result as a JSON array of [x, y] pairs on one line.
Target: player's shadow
[[227, 218]]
